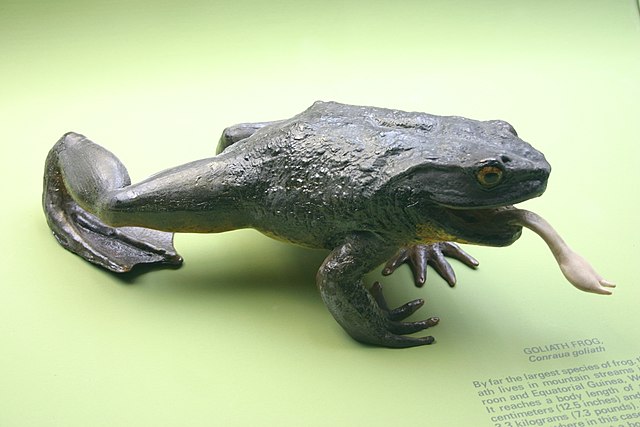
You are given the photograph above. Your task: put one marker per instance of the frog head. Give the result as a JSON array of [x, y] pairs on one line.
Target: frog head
[[457, 173]]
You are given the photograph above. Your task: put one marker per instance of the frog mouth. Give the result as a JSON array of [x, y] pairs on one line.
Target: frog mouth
[[502, 226], [481, 226]]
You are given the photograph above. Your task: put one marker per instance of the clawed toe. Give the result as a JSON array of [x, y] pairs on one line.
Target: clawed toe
[[413, 327], [402, 341], [405, 310], [397, 315], [419, 256]]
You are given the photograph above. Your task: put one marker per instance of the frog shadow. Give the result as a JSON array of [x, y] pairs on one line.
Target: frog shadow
[[294, 273]]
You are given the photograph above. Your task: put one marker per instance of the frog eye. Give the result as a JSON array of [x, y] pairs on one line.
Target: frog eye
[[489, 176], [505, 126]]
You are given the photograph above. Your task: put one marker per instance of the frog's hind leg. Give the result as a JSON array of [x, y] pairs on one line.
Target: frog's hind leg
[[77, 174]]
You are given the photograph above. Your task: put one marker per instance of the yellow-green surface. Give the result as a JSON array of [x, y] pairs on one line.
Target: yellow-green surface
[[239, 336]]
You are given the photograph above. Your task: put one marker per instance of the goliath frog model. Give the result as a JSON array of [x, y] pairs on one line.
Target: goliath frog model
[[368, 184]]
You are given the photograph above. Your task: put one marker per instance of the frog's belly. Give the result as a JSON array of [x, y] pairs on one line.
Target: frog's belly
[[302, 236]]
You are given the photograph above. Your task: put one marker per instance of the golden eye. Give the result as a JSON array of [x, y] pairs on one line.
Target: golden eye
[[489, 176]]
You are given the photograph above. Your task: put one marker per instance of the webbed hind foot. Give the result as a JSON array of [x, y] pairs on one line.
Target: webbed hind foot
[[118, 249]]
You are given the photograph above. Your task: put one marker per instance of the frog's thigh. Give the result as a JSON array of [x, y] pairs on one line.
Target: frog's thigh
[[195, 197], [238, 132]]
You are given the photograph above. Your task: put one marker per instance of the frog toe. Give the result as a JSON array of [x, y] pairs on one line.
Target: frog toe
[[405, 310], [435, 255], [399, 313], [126, 247], [403, 341], [415, 258], [395, 316], [405, 328]]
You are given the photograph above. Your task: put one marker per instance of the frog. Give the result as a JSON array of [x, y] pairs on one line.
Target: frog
[[371, 186]]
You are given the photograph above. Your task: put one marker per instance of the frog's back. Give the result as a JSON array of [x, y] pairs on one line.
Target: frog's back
[[359, 146], [314, 175]]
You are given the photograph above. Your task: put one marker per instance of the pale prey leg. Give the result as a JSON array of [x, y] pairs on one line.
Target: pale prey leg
[[574, 267]]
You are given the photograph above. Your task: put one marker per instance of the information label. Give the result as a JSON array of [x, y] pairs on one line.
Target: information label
[[582, 394]]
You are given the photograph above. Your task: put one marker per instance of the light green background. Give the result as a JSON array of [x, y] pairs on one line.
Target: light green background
[[239, 335]]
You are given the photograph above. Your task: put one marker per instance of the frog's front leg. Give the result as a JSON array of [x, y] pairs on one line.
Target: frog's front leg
[[364, 316], [419, 256]]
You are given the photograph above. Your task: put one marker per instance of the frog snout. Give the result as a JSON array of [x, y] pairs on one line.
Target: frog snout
[[535, 178], [541, 170], [532, 165]]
